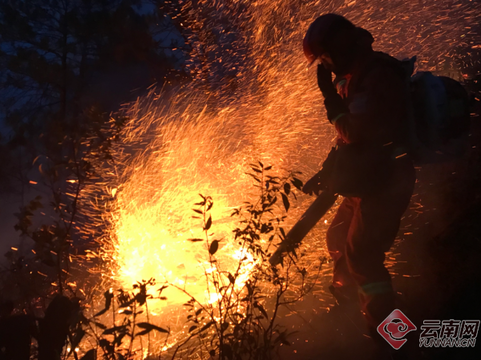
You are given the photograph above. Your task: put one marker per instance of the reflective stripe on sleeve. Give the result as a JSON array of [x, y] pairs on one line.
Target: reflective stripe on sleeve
[[337, 118], [376, 288]]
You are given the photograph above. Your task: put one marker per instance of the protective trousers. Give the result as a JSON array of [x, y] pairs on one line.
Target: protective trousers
[[363, 229]]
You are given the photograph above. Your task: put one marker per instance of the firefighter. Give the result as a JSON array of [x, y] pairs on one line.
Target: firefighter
[[367, 103]]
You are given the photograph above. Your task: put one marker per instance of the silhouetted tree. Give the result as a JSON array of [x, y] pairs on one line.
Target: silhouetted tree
[[65, 65]]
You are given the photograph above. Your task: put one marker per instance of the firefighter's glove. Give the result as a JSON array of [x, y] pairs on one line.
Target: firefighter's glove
[[333, 102], [324, 80], [314, 185]]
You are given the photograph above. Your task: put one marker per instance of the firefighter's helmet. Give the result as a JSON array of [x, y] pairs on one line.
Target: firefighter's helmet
[[322, 33]]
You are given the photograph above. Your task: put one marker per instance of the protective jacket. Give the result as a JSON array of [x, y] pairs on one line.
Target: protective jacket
[[373, 128], [374, 172]]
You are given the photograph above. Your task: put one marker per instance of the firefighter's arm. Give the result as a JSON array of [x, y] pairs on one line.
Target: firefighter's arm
[[376, 111], [333, 102]]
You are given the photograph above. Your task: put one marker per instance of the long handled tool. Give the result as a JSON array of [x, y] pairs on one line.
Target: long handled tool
[[307, 221]]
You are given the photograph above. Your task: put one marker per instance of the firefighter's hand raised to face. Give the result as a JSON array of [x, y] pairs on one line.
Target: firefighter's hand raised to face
[[324, 80]]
